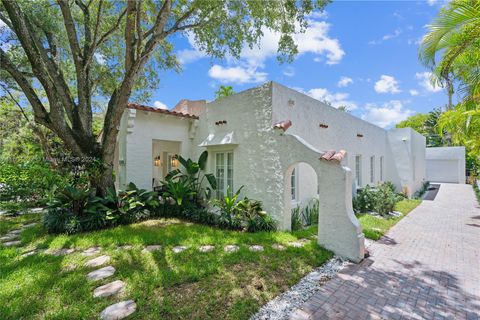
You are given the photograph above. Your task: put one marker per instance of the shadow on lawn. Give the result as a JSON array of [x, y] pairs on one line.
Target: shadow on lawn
[[385, 290]]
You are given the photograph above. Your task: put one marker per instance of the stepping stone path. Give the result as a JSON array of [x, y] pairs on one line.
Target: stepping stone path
[[152, 248], [206, 248], [30, 253], [17, 231], [102, 273], [109, 289], [119, 310], [91, 251], [29, 225], [279, 247], [12, 243], [125, 247], [98, 261], [231, 248], [298, 244], [179, 249], [9, 237], [60, 252], [255, 248]]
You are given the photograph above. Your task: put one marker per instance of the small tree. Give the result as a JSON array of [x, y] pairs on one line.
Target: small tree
[[68, 56], [224, 91]]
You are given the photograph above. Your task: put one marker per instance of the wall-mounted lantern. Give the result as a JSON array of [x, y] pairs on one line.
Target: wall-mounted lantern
[[157, 161], [174, 161]]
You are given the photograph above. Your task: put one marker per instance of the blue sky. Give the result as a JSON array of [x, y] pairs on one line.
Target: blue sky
[[357, 53]]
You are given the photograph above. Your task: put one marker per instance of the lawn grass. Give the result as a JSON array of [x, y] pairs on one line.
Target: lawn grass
[[375, 227], [187, 285]]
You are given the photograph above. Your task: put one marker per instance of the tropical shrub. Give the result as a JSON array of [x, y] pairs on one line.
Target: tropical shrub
[[419, 194], [296, 219], [193, 177], [245, 214], [77, 210], [310, 213], [381, 200]]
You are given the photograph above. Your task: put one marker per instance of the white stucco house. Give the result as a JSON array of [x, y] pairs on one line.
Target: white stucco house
[[283, 146]]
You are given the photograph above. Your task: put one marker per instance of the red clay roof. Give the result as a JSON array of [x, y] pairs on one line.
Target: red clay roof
[[284, 125], [164, 111], [332, 155]]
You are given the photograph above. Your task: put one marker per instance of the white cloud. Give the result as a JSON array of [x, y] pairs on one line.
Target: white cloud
[[386, 115], [386, 37], [335, 99], [289, 71], [344, 82], [424, 81], [160, 105], [432, 2], [387, 84], [237, 74], [413, 92]]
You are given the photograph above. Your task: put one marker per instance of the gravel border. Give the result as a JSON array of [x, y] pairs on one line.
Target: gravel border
[[282, 306]]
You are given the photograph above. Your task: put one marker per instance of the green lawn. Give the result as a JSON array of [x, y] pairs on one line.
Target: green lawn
[[375, 227], [188, 285]]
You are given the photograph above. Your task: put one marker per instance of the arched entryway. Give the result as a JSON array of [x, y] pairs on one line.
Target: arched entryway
[[301, 189]]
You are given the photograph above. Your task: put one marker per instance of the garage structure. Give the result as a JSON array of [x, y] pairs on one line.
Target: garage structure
[[445, 164]]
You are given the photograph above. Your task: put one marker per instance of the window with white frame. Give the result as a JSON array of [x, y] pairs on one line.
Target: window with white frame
[[381, 168], [293, 181], [358, 170], [224, 173], [372, 169]]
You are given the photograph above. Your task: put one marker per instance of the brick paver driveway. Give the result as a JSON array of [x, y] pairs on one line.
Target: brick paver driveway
[[427, 267]]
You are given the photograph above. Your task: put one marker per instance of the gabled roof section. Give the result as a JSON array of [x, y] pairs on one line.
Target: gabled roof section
[[163, 111]]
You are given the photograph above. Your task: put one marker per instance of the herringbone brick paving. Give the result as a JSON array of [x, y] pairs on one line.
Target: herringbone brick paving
[[426, 267]]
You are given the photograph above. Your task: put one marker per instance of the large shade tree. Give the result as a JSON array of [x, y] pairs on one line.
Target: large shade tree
[[69, 56]]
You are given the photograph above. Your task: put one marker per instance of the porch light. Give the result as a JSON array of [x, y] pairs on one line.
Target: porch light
[[174, 161], [157, 162]]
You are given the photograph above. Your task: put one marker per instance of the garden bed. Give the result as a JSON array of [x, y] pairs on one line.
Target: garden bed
[[163, 284], [374, 227]]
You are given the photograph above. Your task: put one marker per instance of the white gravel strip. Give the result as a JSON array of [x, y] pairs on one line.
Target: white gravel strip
[[282, 306]]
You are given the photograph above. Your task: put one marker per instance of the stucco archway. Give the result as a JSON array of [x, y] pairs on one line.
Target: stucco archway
[[339, 229]]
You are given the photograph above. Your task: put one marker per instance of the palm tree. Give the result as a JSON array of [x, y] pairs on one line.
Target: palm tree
[[224, 91], [455, 36]]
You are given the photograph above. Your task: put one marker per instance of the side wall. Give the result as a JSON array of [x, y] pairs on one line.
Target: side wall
[[307, 114], [445, 164]]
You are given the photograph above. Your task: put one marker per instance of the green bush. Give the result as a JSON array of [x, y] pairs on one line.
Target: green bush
[[28, 181], [381, 199], [77, 210], [419, 194], [310, 213]]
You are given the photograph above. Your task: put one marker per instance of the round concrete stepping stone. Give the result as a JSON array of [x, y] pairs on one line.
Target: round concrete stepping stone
[[125, 247], [255, 248], [152, 248], [119, 310], [179, 249], [16, 231], [36, 210], [102, 273], [231, 248], [206, 248], [29, 253], [12, 243], [29, 225], [296, 244], [9, 237], [97, 262], [109, 289], [279, 247], [91, 251], [61, 252]]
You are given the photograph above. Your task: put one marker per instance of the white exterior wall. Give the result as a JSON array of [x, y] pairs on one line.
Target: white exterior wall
[[142, 128], [444, 163], [307, 114], [407, 158]]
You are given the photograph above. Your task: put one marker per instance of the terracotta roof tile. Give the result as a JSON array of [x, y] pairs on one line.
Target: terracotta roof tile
[[332, 155], [284, 125], [164, 111]]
